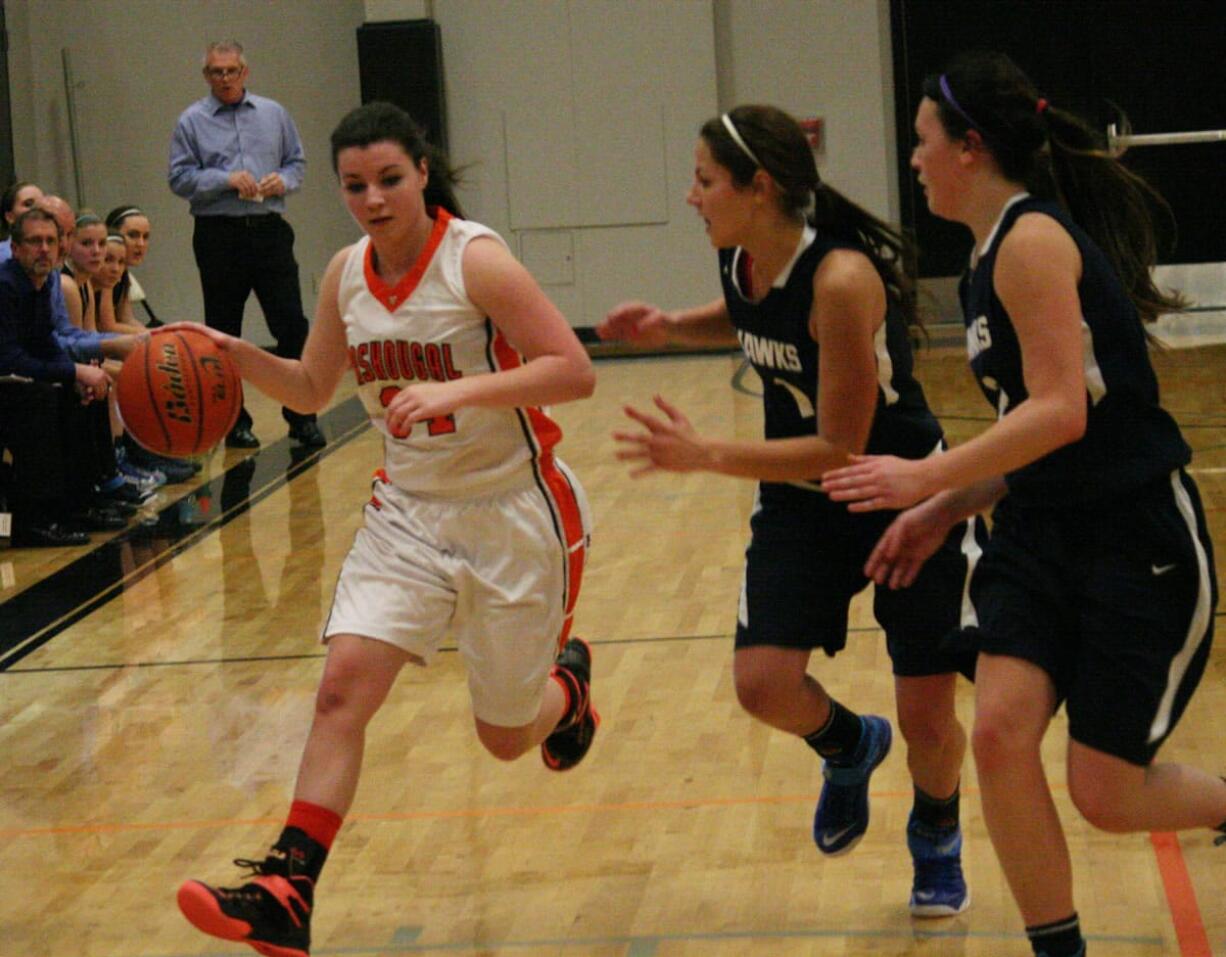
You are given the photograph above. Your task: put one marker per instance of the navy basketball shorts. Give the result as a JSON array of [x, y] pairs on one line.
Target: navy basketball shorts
[[1114, 602], [805, 563]]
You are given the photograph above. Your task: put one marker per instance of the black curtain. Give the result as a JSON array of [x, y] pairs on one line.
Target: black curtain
[[1161, 61]]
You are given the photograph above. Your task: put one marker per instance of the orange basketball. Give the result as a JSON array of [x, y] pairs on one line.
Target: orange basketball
[[178, 393]]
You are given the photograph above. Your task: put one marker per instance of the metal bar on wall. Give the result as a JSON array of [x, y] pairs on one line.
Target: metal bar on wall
[[1162, 139], [70, 97]]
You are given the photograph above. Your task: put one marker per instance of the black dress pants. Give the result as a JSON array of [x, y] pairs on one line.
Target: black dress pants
[[238, 255]]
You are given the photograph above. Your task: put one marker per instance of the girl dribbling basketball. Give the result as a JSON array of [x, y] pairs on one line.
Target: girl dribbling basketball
[[455, 348]]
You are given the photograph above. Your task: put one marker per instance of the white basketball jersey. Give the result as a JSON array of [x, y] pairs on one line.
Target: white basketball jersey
[[427, 329]]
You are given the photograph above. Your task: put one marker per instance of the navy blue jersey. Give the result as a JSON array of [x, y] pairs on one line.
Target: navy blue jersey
[[1129, 439], [774, 335]]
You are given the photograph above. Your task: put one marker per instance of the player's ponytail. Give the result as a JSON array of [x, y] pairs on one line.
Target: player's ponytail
[[752, 137], [379, 122], [1056, 155]]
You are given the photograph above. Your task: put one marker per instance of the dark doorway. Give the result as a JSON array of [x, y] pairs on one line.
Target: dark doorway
[[1159, 60], [8, 174]]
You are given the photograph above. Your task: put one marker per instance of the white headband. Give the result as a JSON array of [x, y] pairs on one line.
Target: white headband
[[736, 138]]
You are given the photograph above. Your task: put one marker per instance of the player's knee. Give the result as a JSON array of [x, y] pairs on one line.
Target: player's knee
[[339, 700], [331, 699], [757, 693], [505, 744], [997, 742], [926, 729]]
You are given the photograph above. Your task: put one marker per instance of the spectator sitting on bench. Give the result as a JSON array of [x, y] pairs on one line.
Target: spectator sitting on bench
[[56, 425]]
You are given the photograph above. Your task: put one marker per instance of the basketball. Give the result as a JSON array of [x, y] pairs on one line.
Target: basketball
[[178, 393]]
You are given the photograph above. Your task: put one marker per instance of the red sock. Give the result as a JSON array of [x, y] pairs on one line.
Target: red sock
[[318, 823]]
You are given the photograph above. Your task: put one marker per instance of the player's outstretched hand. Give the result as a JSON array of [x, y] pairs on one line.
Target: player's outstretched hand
[[638, 323], [874, 482], [670, 443], [912, 538]]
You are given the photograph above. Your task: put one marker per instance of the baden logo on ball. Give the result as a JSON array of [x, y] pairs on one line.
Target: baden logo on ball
[[178, 393]]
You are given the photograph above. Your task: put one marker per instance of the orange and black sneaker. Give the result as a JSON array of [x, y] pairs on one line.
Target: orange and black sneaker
[[571, 739], [271, 913]]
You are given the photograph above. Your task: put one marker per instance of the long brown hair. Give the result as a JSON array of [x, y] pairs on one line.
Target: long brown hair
[[1055, 154], [377, 122], [781, 148]]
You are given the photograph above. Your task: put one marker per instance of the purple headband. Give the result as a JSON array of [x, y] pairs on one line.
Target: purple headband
[[949, 98]]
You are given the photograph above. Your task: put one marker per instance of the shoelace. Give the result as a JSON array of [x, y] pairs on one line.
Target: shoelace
[[254, 868], [276, 864]]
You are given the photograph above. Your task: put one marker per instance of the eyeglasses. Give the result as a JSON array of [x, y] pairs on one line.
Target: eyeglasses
[[223, 73]]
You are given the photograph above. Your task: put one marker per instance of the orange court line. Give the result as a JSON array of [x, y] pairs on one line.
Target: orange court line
[[1180, 896]]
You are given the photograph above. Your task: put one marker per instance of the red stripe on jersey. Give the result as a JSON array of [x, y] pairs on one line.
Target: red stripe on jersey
[[545, 432], [391, 298], [505, 357], [570, 517]]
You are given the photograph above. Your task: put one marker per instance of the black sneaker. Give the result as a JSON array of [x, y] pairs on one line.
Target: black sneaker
[[308, 433], [48, 535], [271, 913], [121, 493], [570, 741], [99, 518]]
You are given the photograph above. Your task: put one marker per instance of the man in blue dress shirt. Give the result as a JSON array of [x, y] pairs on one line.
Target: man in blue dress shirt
[[234, 156], [81, 344]]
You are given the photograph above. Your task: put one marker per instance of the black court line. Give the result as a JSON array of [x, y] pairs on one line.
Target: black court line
[[308, 656], [37, 614]]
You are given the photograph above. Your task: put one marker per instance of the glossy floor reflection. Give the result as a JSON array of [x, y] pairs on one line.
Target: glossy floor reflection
[[38, 613], [152, 717]]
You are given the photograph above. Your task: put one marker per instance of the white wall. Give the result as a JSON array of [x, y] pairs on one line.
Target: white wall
[[550, 98], [137, 65], [576, 118], [829, 59]]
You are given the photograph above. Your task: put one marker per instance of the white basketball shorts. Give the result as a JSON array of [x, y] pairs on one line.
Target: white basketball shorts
[[499, 573]]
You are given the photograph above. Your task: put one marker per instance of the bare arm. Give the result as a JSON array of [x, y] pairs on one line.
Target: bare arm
[[1037, 271], [305, 384], [916, 535], [107, 321], [557, 368], [646, 326], [72, 299], [848, 305], [124, 315]]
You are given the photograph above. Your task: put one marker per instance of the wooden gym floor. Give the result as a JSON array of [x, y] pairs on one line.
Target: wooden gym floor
[[156, 690]]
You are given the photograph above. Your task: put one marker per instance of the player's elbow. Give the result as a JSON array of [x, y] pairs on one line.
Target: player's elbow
[[586, 382], [1069, 424], [581, 378]]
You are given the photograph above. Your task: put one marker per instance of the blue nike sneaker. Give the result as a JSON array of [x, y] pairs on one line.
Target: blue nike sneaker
[[842, 810], [939, 889]]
